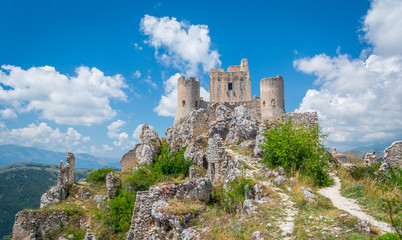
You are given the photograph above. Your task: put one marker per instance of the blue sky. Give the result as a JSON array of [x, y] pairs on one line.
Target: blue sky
[[83, 75]]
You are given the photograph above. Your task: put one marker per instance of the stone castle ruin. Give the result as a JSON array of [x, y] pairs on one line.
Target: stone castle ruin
[[234, 88]]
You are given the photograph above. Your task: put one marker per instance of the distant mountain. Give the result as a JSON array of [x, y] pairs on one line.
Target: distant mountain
[[21, 186], [10, 154], [362, 152]]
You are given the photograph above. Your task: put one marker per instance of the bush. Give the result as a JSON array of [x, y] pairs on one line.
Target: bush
[[358, 173], [142, 178], [298, 147], [117, 215], [167, 165], [99, 175], [232, 197]]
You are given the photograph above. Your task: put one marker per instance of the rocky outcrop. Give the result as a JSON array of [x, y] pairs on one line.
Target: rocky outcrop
[[143, 152], [65, 179], [66, 173], [35, 225], [148, 216], [392, 156], [54, 195], [90, 236], [216, 158], [113, 184]]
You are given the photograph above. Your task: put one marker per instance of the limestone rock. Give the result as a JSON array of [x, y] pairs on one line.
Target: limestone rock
[[249, 207], [194, 172], [216, 158], [196, 153], [190, 234], [54, 195], [90, 236], [308, 194], [84, 193], [280, 180], [100, 200], [113, 184], [249, 144], [363, 225], [143, 152], [34, 225], [392, 156], [66, 173], [257, 236]]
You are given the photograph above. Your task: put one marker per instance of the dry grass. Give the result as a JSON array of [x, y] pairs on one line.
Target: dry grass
[[179, 207]]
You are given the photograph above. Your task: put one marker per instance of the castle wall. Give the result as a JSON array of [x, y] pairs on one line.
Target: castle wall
[[188, 96], [231, 86], [272, 98]]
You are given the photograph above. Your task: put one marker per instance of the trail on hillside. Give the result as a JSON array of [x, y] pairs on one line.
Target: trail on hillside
[[286, 224], [350, 205]]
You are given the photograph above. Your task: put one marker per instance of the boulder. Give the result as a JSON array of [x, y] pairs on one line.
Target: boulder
[[392, 156], [280, 180], [54, 195], [308, 194], [113, 184], [90, 236], [143, 152], [249, 207]]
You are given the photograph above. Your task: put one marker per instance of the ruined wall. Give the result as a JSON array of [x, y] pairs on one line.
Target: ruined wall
[[308, 118], [393, 156], [188, 96], [231, 86], [272, 98]]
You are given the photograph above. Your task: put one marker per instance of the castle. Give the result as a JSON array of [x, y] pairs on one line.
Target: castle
[[232, 87]]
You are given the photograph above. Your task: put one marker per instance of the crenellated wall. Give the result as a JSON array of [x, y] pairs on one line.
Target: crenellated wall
[[231, 86]]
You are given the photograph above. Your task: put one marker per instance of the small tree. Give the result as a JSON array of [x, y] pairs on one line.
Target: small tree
[[298, 147]]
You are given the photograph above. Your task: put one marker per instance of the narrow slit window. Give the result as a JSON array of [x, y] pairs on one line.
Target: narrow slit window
[[196, 104], [230, 86], [184, 103]]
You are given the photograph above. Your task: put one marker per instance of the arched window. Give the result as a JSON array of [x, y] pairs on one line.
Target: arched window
[[230, 86], [183, 102], [196, 104]]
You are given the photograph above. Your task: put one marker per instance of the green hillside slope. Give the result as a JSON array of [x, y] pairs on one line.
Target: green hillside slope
[[21, 186]]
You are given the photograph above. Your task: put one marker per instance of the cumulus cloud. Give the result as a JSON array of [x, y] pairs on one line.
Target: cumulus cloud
[[359, 100], [382, 26], [137, 74], [122, 138], [168, 103], [187, 47], [83, 99], [43, 136], [8, 113]]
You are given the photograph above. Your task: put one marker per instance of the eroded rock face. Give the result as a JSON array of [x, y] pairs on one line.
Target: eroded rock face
[[54, 195], [148, 218], [35, 225], [393, 156], [143, 152], [66, 173], [216, 158], [113, 184]]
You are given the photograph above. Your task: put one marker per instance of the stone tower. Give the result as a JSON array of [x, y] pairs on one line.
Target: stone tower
[[231, 86], [272, 98], [188, 96]]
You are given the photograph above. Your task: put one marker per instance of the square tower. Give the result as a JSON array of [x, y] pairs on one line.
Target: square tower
[[231, 86]]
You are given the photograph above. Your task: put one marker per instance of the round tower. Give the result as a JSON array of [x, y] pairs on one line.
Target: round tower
[[188, 96], [272, 98]]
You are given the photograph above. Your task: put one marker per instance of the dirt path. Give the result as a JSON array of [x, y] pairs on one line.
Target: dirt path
[[287, 225], [350, 205]]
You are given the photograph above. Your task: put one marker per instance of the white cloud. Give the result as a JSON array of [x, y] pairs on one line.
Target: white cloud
[[148, 80], [382, 26], [137, 47], [359, 100], [8, 113], [81, 100], [186, 47], [106, 147], [114, 132], [137, 74], [43, 136], [168, 104]]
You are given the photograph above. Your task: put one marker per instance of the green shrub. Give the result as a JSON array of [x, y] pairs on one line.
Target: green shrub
[[142, 178], [232, 197], [389, 236], [174, 165], [358, 173], [117, 214], [298, 147], [99, 175]]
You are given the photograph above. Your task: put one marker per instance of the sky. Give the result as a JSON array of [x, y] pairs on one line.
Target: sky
[[83, 76]]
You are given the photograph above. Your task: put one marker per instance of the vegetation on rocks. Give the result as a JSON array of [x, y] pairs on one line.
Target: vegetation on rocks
[[296, 147], [99, 175]]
